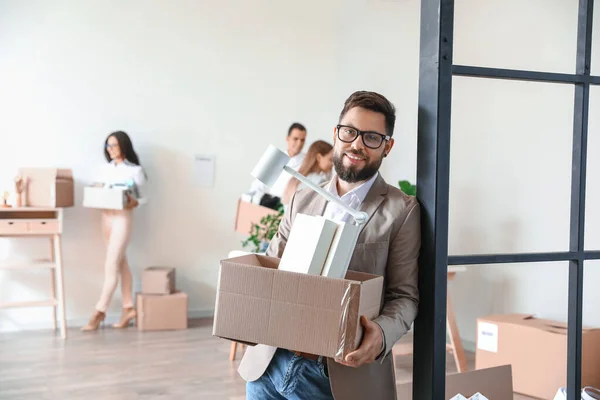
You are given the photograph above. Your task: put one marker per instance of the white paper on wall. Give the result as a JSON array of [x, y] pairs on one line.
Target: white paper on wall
[[204, 170]]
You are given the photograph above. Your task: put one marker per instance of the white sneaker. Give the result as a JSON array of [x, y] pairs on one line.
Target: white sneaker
[[587, 393], [590, 393]]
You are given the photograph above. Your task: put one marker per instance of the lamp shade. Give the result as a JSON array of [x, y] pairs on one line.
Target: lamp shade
[[270, 165]]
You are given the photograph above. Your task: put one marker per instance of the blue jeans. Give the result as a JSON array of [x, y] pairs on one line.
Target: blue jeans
[[290, 377]]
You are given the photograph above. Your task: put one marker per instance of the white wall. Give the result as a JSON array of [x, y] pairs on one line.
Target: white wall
[[190, 77], [182, 78]]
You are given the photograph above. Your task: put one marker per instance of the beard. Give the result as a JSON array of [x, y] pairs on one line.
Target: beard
[[353, 174]]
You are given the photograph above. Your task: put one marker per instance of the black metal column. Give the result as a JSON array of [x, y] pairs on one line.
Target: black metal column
[[578, 185], [433, 168]]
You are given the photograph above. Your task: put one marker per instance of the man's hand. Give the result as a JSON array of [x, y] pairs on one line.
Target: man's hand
[[131, 202], [370, 347]]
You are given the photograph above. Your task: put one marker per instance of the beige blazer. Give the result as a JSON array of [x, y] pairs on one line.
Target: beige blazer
[[388, 245]]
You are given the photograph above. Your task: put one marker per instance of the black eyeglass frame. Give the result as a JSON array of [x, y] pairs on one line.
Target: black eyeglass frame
[[361, 134]]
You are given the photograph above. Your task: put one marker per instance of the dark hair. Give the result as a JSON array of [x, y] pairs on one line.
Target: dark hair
[[374, 102], [296, 125], [125, 146]]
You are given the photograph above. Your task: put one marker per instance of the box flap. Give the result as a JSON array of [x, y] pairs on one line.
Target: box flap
[[506, 317], [255, 260], [47, 172]]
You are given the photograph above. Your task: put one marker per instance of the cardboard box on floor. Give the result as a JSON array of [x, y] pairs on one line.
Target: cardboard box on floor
[[257, 303], [248, 214], [158, 312], [537, 350], [494, 383], [158, 280], [48, 187]]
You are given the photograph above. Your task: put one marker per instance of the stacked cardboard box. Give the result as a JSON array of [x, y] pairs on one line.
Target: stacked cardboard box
[[537, 350], [48, 187], [160, 306]]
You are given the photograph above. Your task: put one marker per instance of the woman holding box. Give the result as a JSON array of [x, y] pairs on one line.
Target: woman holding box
[[123, 168]]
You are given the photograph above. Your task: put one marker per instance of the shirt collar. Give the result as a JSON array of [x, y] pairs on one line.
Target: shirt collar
[[125, 162], [359, 193]]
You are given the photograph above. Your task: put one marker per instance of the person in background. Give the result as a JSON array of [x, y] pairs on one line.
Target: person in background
[[296, 138], [317, 167], [123, 167]]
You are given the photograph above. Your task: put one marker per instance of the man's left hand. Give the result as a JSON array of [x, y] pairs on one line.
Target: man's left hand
[[370, 347]]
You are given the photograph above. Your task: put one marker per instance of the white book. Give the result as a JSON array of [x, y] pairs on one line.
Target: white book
[[341, 250], [308, 244]]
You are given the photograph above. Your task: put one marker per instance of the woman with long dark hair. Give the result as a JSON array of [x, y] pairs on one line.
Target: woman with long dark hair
[[123, 167]]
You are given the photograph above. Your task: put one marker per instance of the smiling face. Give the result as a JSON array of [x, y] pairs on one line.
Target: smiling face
[[354, 162], [295, 141], [113, 148]]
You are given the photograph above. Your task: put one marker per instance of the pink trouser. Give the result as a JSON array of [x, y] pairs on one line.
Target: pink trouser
[[116, 227]]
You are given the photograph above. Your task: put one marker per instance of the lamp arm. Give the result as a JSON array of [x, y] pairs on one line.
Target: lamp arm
[[359, 216]]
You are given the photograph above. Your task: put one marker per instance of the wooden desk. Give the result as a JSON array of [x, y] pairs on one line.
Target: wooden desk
[[23, 222]]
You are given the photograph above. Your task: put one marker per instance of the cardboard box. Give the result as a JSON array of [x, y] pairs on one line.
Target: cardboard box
[[158, 280], [108, 198], [157, 312], [248, 214], [48, 187], [493, 383], [257, 303], [537, 350]]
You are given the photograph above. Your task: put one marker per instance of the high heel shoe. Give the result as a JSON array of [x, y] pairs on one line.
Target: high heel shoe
[[94, 322], [128, 315]]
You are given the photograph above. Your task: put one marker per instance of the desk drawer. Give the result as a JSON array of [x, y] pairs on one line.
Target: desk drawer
[[43, 226], [13, 227]]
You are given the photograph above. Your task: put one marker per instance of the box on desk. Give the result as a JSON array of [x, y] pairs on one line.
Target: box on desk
[[248, 214], [257, 303], [537, 350], [157, 312], [158, 280], [108, 198], [48, 187]]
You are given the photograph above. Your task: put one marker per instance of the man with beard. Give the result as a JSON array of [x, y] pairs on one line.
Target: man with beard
[[388, 245]]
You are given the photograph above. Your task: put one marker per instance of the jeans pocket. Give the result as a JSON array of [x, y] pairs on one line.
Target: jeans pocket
[[292, 371], [324, 370]]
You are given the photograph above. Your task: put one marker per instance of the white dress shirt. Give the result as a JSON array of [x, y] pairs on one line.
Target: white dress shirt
[[352, 199], [112, 173]]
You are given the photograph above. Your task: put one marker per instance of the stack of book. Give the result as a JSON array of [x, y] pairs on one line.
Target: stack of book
[[319, 246]]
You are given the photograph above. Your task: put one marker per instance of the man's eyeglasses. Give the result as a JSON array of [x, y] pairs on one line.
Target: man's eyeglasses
[[372, 140]]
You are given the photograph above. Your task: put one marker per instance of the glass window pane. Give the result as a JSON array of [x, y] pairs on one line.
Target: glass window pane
[[535, 35], [487, 293], [592, 201], [510, 167]]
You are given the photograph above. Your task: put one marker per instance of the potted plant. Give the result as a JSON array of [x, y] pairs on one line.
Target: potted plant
[[262, 233], [408, 188]]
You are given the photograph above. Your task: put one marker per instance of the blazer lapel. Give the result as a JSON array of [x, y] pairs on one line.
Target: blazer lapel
[[374, 198], [319, 203]]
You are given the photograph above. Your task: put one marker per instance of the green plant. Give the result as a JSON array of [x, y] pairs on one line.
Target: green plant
[[262, 233], [408, 188]]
